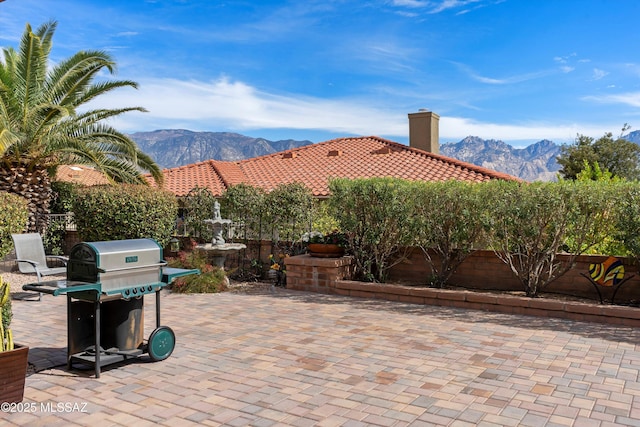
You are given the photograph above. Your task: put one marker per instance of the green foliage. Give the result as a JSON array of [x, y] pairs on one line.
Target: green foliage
[[617, 156], [323, 221], [63, 196], [448, 219], [529, 223], [283, 214], [198, 206], [243, 204], [53, 238], [44, 119], [6, 337], [125, 212], [13, 219], [64, 193], [211, 279], [288, 211], [595, 208], [532, 222], [375, 214], [628, 217]]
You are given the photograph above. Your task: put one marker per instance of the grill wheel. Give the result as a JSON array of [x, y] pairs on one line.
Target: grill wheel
[[161, 343]]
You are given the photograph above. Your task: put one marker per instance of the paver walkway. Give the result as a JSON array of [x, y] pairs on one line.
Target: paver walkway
[[301, 359]]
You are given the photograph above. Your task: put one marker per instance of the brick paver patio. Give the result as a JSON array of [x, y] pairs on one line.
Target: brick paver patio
[[303, 359]]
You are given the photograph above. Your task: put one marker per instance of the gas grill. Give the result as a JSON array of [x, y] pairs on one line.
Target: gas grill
[[105, 287]]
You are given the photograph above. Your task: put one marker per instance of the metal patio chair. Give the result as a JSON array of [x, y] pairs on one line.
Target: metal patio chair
[[31, 257]]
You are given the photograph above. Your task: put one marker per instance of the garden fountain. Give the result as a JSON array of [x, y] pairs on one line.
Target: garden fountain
[[218, 249]]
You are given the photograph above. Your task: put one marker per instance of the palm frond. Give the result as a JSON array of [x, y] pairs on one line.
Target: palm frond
[[41, 119]]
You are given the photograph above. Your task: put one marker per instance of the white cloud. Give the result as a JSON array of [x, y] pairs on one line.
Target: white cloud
[[235, 105], [519, 78], [598, 74], [226, 105], [456, 128], [630, 98], [433, 6]]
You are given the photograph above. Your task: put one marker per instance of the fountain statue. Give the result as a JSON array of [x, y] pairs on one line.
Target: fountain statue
[[218, 249], [217, 223]]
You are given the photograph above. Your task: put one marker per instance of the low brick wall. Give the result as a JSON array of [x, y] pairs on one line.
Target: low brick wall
[[609, 314], [482, 271]]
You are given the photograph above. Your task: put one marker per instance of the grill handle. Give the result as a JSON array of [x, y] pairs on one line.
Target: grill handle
[[160, 264]]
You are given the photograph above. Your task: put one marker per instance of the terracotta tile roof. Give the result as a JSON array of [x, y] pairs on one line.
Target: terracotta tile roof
[[315, 164], [206, 174], [80, 174]]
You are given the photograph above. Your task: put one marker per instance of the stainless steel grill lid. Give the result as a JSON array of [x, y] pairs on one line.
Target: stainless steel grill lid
[[117, 265]]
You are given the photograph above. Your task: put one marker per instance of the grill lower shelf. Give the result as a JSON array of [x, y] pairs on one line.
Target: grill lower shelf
[[108, 357]]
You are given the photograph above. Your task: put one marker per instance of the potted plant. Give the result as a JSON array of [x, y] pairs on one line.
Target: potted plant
[[277, 269], [328, 245], [13, 358]]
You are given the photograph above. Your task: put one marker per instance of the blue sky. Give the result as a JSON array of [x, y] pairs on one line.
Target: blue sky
[[515, 70]]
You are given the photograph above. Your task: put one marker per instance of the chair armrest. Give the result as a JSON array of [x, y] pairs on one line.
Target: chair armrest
[[33, 263], [63, 259]]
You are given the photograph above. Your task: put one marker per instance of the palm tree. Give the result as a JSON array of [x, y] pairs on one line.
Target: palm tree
[[42, 125]]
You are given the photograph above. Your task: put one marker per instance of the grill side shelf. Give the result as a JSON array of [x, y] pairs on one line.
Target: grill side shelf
[[169, 274], [60, 287]]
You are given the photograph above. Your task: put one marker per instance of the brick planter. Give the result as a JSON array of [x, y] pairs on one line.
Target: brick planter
[[307, 273]]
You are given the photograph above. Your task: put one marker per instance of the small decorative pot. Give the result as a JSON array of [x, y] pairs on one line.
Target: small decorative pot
[[325, 250]]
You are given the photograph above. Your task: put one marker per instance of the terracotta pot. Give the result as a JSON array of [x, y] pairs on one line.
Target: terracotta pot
[[325, 250], [13, 371]]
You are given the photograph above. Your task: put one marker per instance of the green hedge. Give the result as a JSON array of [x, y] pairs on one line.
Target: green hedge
[[530, 223], [13, 219], [376, 215], [448, 221], [64, 194], [526, 224], [125, 212]]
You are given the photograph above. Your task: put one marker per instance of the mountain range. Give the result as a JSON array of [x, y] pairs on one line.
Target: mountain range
[[537, 162], [177, 147]]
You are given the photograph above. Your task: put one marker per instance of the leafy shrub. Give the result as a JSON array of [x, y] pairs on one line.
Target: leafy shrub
[[64, 194], [244, 204], [198, 206], [125, 212], [323, 221], [53, 237], [13, 219], [287, 210], [448, 219], [375, 215], [211, 279], [628, 217], [531, 223]]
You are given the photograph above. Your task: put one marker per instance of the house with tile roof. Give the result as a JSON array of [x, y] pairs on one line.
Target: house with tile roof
[[80, 174], [351, 157]]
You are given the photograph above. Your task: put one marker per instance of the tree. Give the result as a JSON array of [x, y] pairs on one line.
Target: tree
[[43, 126], [617, 156]]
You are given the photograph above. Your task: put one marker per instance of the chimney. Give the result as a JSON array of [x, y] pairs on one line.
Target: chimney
[[424, 132]]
